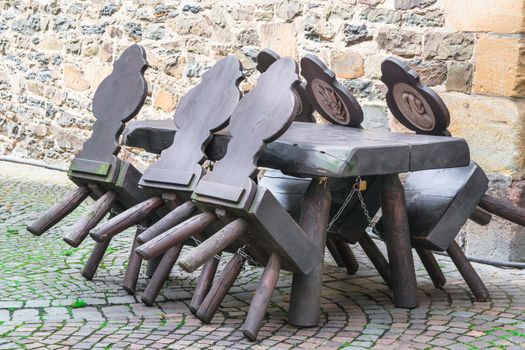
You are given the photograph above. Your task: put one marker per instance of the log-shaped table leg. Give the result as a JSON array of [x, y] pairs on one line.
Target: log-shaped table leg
[[220, 288], [262, 297], [59, 211], [204, 284], [126, 219], [376, 257], [94, 260], [345, 252], [466, 270], [89, 220], [134, 262], [161, 275], [305, 301], [431, 265], [330, 244], [397, 239]]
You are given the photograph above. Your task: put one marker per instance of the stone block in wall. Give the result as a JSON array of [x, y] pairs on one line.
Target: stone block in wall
[[431, 73], [493, 128], [410, 4], [499, 16], [448, 46], [381, 15], [459, 77], [165, 100], [288, 10], [346, 64], [280, 37], [74, 79], [400, 42], [500, 66]]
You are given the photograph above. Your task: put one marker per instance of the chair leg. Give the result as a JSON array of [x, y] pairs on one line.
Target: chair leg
[[330, 244], [262, 297], [376, 257], [349, 260], [204, 284], [431, 265], [161, 275], [470, 275]]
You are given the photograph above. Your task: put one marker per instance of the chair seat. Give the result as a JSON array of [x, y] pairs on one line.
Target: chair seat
[[440, 201]]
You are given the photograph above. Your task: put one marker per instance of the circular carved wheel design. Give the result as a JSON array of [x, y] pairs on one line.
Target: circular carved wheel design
[[414, 107], [330, 101], [412, 103]]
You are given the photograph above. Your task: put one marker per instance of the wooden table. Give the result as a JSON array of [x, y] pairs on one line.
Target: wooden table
[[316, 150]]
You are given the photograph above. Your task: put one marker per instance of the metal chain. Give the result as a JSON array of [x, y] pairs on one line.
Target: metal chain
[[342, 208], [365, 211]]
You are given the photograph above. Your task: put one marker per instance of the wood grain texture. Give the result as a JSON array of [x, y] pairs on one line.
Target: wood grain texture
[[331, 99], [376, 257], [204, 284], [129, 283], [349, 260], [59, 211], [90, 219], [220, 288], [94, 259], [481, 216], [397, 236], [170, 220], [468, 273], [161, 274], [126, 219], [503, 208], [262, 297], [313, 149], [206, 108], [176, 235], [213, 245], [305, 295], [412, 103]]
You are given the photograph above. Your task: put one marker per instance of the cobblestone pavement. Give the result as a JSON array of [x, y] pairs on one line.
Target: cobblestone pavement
[[46, 303]]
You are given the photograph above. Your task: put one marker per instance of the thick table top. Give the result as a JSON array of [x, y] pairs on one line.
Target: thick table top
[[325, 149]]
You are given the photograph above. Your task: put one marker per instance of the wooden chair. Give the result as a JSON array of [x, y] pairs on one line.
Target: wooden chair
[[251, 213], [170, 181], [97, 170]]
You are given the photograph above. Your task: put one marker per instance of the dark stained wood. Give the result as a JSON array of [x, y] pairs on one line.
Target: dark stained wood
[[170, 220], [220, 288], [204, 284], [481, 216], [330, 244], [126, 219], [440, 201], [117, 99], [133, 269], [345, 252], [60, 210], [470, 276], [397, 237], [431, 265], [331, 99], [262, 297], [305, 299], [313, 149], [214, 245], [161, 275], [176, 235], [90, 219], [94, 259], [205, 109], [265, 59], [503, 208], [376, 257], [413, 104]]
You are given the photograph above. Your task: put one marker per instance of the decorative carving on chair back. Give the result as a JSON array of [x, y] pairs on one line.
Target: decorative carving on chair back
[[203, 110], [412, 103], [117, 99], [265, 59], [331, 99]]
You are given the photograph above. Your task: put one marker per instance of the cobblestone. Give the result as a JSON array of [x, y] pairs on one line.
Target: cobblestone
[[41, 280]]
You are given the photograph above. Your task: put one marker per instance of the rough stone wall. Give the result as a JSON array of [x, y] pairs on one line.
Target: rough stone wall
[[53, 54]]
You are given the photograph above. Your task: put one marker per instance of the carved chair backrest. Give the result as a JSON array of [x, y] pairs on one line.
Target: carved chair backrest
[[117, 99], [331, 99], [265, 59], [206, 108], [413, 104], [260, 117]]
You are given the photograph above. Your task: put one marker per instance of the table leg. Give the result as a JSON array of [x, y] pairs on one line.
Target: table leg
[[397, 239], [305, 301]]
